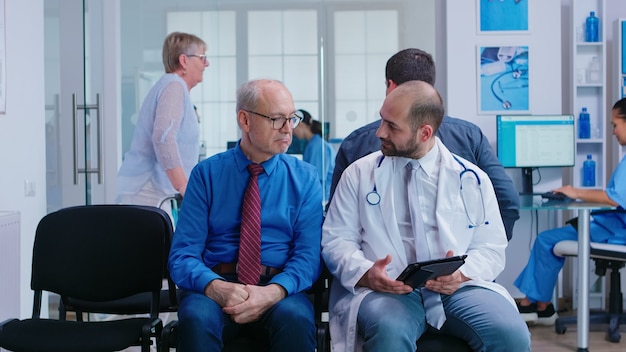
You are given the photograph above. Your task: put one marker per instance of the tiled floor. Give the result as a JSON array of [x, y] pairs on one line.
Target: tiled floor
[[544, 339]]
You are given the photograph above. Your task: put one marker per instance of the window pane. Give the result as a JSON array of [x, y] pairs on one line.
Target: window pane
[[265, 32], [301, 77], [350, 116], [350, 76], [218, 31], [364, 41], [301, 32], [381, 31], [265, 67], [349, 32]]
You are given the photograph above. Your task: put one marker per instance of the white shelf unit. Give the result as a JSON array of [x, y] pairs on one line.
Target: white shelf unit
[[619, 44], [590, 92]]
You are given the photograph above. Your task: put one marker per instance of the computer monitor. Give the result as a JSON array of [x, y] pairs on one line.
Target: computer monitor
[[532, 141]]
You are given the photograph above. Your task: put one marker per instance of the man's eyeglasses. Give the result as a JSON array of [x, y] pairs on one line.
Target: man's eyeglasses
[[203, 58], [279, 122]]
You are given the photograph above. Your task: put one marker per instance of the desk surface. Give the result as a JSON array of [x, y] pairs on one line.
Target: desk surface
[[535, 202]]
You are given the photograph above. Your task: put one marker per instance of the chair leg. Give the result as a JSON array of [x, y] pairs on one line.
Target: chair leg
[[62, 311], [323, 337], [615, 303], [615, 314]]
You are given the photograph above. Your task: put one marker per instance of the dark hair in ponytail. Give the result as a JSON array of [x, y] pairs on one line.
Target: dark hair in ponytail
[[620, 107], [314, 125]]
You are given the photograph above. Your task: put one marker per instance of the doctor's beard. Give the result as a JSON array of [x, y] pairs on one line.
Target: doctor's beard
[[406, 150]]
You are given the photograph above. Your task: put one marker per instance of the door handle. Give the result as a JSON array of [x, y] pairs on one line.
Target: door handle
[[86, 107]]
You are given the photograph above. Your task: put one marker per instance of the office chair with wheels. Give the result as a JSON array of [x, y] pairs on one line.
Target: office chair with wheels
[[94, 259], [139, 303], [606, 256]]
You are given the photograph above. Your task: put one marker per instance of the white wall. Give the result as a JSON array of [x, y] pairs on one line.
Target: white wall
[[544, 42], [22, 135], [548, 38]]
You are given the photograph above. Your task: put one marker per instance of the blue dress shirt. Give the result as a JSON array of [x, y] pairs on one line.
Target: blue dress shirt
[[462, 138], [207, 232]]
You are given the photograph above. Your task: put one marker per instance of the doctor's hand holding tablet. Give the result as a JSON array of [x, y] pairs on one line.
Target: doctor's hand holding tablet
[[439, 275]]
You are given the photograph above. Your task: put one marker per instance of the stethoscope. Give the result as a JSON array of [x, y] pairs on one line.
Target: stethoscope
[[520, 80], [373, 198]]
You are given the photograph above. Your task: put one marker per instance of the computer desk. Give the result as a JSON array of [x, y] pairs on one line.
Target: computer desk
[[535, 202]]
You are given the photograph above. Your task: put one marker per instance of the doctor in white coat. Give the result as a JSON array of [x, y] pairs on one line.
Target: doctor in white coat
[[382, 218]]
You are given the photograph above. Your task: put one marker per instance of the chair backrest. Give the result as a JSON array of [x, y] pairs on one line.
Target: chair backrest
[[100, 252]]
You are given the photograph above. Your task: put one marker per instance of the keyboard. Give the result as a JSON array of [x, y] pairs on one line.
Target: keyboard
[[556, 196]]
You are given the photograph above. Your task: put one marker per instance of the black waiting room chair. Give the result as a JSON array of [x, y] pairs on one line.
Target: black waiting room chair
[[138, 303], [94, 253]]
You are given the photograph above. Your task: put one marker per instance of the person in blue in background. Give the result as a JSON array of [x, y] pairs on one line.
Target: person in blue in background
[[538, 278], [318, 152]]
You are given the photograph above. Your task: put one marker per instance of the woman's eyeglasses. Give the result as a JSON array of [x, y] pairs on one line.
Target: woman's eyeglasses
[[202, 57]]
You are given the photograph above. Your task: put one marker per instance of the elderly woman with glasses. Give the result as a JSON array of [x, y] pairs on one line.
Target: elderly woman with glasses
[[165, 143]]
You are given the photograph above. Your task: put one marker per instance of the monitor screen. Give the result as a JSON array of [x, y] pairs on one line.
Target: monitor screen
[[530, 141]]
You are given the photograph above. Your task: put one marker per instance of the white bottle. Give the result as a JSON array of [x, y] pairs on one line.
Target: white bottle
[[594, 71]]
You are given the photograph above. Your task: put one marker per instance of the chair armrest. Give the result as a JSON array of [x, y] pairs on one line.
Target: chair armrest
[[169, 338]]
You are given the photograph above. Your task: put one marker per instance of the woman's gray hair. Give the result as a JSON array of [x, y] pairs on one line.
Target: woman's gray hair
[[177, 43]]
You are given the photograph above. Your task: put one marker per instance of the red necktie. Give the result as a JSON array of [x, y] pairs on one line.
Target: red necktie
[[249, 268]]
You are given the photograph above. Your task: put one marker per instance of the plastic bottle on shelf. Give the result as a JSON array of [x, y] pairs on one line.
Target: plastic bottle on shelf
[[584, 125], [594, 74], [591, 28], [589, 172]]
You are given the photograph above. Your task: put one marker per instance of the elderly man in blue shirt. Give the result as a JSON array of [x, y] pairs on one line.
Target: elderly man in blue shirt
[[204, 259]]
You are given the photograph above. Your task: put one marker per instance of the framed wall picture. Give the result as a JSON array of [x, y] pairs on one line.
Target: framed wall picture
[[502, 16], [503, 79]]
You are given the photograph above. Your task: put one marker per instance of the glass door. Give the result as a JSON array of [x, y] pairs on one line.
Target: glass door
[[76, 123]]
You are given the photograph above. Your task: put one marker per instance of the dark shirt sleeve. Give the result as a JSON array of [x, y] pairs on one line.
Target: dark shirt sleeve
[[358, 144]]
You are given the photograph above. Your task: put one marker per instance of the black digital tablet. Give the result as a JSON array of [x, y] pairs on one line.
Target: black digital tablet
[[416, 274]]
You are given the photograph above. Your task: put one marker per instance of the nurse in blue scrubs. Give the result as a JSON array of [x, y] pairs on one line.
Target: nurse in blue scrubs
[[318, 152], [538, 278]]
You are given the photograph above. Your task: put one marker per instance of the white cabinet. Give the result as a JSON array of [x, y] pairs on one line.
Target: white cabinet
[[589, 89], [618, 82]]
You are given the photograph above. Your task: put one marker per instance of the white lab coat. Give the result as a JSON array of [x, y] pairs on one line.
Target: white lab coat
[[356, 233]]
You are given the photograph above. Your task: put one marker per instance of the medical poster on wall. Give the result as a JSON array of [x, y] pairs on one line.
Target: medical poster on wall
[[503, 15], [3, 69], [503, 79]]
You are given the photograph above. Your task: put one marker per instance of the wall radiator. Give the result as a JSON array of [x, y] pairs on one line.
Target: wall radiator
[[9, 265]]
